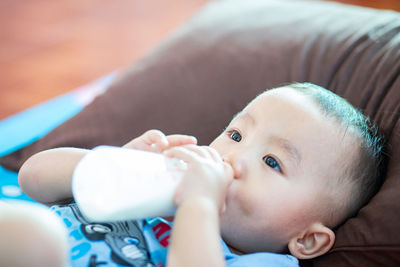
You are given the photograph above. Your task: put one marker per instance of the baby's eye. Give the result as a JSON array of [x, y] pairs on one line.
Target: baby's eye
[[235, 136], [271, 162]]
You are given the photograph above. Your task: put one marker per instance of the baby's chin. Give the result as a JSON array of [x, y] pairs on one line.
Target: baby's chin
[[31, 235]]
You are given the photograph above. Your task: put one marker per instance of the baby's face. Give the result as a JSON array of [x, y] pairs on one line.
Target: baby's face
[[282, 149]]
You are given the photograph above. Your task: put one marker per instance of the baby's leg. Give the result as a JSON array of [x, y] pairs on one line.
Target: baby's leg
[[30, 235]]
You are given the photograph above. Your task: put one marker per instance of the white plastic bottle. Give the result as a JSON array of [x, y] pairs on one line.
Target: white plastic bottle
[[113, 183]]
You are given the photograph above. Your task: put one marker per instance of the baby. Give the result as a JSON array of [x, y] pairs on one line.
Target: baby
[[294, 164], [31, 236]]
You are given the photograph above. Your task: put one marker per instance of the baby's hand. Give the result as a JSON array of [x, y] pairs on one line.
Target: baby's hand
[[207, 176], [157, 141]]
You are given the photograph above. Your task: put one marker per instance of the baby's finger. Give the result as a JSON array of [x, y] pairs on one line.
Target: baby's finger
[[202, 151], [214, 154], [178, 194], [182, 153], [181, 140], [152, 140], [229, 172], [156, 140]]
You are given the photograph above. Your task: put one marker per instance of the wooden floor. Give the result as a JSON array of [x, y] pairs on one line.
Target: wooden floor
[[380, 4], [50, 47]]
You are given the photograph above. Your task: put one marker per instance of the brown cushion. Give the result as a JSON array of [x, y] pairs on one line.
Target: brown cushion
[[213, 65]]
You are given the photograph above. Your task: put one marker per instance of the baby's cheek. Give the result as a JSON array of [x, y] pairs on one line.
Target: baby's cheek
[[294, 212], [242, 199]]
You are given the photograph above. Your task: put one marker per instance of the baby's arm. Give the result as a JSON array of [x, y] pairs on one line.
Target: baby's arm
[[195, 239], [46, 176]]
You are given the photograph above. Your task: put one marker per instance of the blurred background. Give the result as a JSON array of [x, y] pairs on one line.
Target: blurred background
[[48, 48]]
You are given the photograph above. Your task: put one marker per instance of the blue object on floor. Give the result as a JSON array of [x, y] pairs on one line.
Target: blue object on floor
[[9, 188], [30, 125]]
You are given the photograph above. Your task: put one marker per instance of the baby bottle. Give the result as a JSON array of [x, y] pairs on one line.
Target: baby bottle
[[113, 183]]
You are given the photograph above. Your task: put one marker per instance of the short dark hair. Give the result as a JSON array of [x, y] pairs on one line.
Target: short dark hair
[[365, 174]]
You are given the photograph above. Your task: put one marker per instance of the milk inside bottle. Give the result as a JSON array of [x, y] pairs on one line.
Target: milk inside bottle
[[113, 183]]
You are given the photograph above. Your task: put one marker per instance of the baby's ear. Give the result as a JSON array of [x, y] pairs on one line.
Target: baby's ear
[[313, 242]]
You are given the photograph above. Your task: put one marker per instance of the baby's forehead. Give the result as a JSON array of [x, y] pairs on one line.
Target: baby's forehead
[[301, 116], [285, 92], [283, 98]]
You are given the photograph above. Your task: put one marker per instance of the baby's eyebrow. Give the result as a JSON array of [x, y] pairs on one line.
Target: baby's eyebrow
[[289, 148], [244, 116]]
